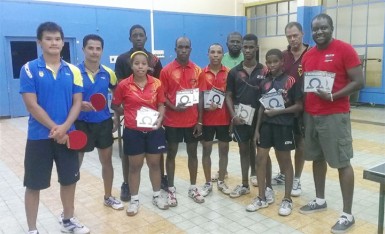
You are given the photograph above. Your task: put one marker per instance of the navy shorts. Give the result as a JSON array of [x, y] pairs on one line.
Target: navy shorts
[[176, 135], [221, 133], [280, 137], [99, 135], [137, 142], [38, 163]]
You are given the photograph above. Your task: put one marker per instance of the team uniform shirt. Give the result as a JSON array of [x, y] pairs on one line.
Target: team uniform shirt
[[130, 95], [220, 116], [231, 62], [123, 65], [54, 92], [245, 89], [291, 66], [291, 93], [99, 83], [337, 58], [176, 77]]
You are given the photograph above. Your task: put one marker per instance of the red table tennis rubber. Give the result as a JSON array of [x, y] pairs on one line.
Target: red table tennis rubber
[[76, 140], [98, 101]]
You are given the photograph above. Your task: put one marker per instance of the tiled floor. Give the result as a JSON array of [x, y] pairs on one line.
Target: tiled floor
[[219, 214]]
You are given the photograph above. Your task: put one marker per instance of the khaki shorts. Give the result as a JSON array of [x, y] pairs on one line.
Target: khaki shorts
[[329, 137]]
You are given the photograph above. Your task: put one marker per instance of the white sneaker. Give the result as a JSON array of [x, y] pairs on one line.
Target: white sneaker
[[171, 197], [206, 189], [160, 203], [254, 181], [239, 191], [270, 196], [113, 203], [286, 207], [133, 208], [60, 217], [74, 226], [223, 188], [296, 191], [256, 204], [195, 195], [33, 232]]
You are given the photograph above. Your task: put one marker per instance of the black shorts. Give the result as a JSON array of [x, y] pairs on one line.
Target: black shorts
[[280, 137], [38, 163], [176, 135], [243, 133], [99, 135], [137, 142], [221, 133]]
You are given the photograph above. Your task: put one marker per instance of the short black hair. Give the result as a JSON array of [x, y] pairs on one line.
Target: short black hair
[[276, 52], [92, 37], [183, 37], [48, 27], [217, 44], [294, 24], [233, 34], [137, 26], [251, 37], [323, 16]]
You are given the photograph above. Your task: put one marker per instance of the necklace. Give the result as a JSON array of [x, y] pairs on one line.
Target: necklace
[[141, 85], [92, 71]]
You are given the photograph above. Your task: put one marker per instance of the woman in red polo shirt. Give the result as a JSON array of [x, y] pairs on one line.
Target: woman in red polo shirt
[[141, 99]]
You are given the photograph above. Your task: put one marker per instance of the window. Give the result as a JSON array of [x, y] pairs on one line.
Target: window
[[270, 19], [21, 53]]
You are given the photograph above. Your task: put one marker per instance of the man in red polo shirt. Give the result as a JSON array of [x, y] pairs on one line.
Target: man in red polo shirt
[[328, 138], [216, 119], [183, 122]]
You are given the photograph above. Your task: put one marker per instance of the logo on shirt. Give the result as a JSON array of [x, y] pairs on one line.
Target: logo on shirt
[[67, 74], [26, 68], [102, 77], [41, 73], [260, 77], [288, 142], [329, 58]]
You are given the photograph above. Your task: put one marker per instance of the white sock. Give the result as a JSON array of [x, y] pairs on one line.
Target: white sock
[[193, 186], [156, 194], [209, 183], [349, 216], [320, 201], [220, 182], [135, 197]]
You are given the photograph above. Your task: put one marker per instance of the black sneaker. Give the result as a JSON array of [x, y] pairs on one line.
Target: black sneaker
[[312, 207], [125, 192], [164, 183], [342, 225]]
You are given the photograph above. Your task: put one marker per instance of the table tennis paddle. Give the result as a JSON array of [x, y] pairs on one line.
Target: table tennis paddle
[[76, 140], [98, 101]]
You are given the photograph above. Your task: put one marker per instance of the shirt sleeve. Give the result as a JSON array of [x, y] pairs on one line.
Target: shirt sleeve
[[230, 86], [119, 67], [78, 79], [158, 68], [27, 80], [117, 98], [160, 94]]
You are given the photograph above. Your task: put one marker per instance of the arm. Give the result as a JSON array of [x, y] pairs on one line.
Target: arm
[[258, 125], [198, 126], [161, 110], [230, 105], [30, 100], [58, 132]]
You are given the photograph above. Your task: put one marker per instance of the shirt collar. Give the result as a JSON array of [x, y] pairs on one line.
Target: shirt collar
[[41, 62]]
